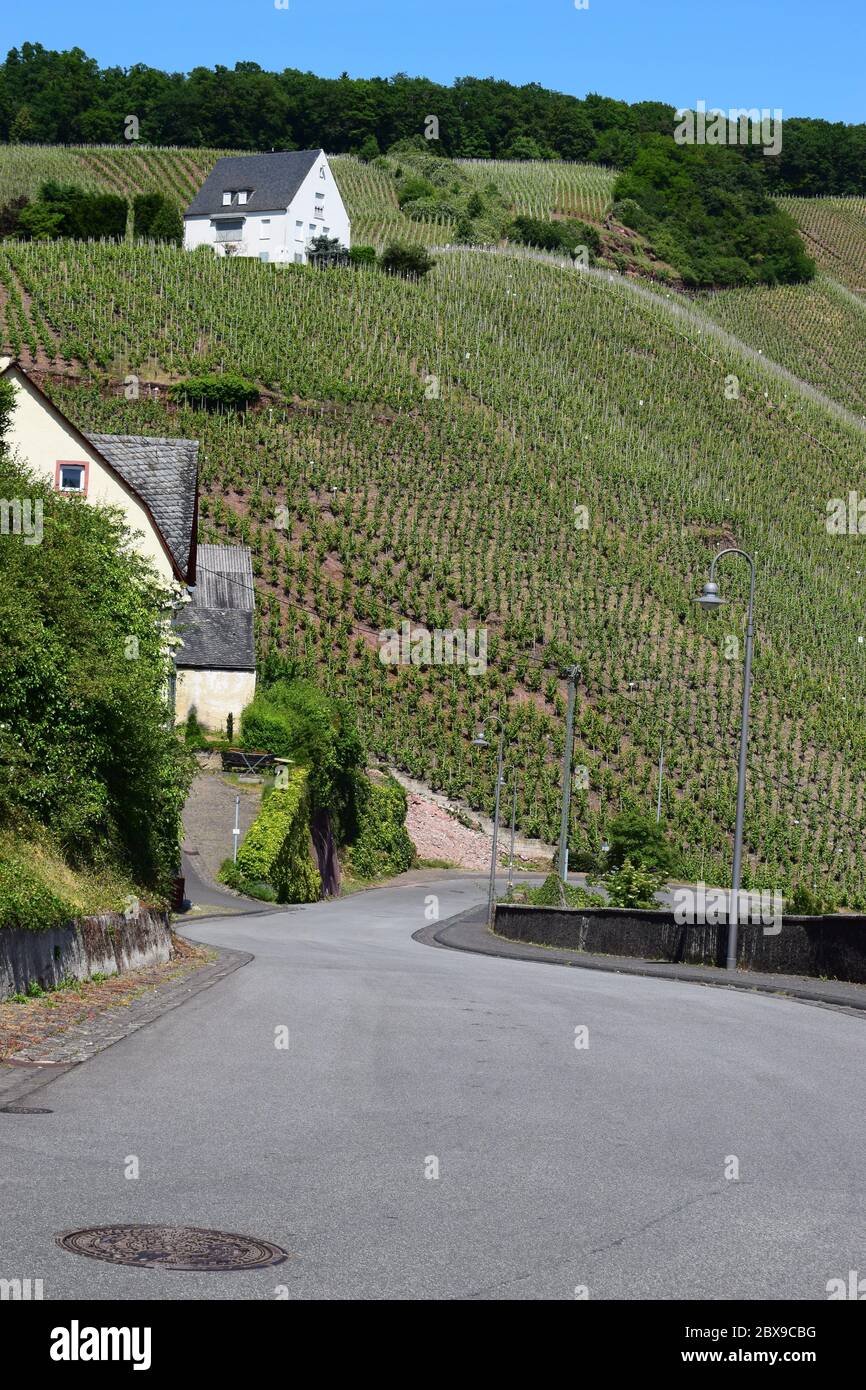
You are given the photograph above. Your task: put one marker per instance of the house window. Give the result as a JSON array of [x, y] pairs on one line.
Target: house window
[[71, 477], [299, 258], [227, 200], [265, 229], [312, 226], [320, 205], [230, 231], [243, 195]]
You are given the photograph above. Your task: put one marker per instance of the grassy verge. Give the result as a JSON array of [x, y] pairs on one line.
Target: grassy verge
[[39, 889]]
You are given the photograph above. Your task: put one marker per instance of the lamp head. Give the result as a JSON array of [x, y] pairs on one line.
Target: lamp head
[[709, 597]]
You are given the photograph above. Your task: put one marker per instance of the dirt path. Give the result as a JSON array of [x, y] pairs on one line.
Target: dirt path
[[209, 816]]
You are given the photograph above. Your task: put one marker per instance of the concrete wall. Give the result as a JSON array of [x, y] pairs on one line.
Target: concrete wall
[[108, 944], [42, 437], [833, 946], [215, 695]]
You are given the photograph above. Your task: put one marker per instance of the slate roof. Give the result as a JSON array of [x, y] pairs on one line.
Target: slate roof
[[224, 577], [164, 473], [217, 626], [273, 178]]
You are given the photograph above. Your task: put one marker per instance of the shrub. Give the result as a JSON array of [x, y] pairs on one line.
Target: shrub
[[294, 719], [39, 222], [810, 902], [362, 255], [84, 215], [28, 903], [216, 392], [412, 262], [554, 893], [10, 216], [156, 217], [641, 840], [412, 188], [632, 885], [382, 846], [193, 732], [276, 848], [555, 236]]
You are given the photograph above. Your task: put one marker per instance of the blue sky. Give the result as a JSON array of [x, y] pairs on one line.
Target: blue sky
[[806, 57]]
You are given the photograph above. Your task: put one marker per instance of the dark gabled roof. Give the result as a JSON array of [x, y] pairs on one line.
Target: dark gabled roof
[[273, 178], [216, 627], [163, 472], [215, 639]]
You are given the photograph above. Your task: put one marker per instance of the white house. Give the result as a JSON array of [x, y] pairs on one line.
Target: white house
[[267, 205], [153, 481]]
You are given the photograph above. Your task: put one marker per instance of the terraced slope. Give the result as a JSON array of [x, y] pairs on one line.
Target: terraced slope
[[537, 188], [834, 230], [434, 446], [817, 331]]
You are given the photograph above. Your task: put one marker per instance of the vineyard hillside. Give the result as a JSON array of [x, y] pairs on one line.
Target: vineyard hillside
[[512, 446]]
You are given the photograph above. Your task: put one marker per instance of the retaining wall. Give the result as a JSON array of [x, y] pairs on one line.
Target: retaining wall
[[833, 946], [108, 944]]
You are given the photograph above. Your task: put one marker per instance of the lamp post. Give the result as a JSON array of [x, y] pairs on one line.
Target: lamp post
[[711, 602], [572, 674], [481, 742], [511, 850]]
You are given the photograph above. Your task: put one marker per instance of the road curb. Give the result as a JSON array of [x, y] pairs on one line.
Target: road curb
[[468, 932], [21, 1078]]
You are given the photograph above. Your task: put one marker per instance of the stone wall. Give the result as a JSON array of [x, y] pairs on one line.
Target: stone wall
[[108, 945], [833, 947]]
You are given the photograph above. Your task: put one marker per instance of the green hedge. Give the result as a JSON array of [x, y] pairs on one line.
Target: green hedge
[[276, 848], [215, 391], [382, 846]]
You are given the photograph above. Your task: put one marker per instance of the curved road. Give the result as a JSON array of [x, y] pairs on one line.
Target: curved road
[[558, 1167]]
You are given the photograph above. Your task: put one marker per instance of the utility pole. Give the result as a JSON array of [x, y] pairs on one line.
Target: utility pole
[[491, 896], [661, 773], [572, 673]]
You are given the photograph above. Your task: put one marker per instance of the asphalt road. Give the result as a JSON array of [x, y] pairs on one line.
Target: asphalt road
[[558, 1167]]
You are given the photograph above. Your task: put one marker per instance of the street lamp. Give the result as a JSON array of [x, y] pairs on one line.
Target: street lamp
[[481, 742], [571, 674], [711, 602]]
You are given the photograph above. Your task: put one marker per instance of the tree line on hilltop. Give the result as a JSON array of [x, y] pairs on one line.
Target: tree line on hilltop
[[67, 98]]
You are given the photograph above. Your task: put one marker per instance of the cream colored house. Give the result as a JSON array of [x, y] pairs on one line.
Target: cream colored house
[[154, 482]]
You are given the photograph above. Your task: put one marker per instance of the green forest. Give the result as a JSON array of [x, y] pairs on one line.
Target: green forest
[[51, 97]]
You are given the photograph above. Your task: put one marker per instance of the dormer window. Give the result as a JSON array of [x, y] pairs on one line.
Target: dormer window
[[236, 197], [71, 477], [227, 200], [243, 195]]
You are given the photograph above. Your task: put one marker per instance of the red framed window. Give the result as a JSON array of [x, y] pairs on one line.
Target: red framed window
[[71, 476]]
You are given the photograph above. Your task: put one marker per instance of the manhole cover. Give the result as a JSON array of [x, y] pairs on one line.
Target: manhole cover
[[172, 1247]]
